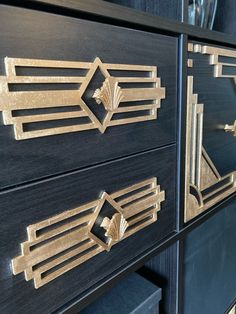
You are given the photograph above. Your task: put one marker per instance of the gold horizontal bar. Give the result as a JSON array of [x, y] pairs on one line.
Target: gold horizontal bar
[[60, 217], [54, 131], [136, 196], [133, 188], [148, 213], [218, 51], [135, 94], [44, 79], [129, 67], [49, 117], [131, 120], [138, 79], [228, 64], [57, 261], [48, 250], [22, 62], [39, 99], [139, 227], [58, 230], [136, 108], [217, 190], [68, 267], [139, 206]]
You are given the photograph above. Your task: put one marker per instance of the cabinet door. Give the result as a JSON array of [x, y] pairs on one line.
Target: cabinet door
[[211, 127], [209, 264]]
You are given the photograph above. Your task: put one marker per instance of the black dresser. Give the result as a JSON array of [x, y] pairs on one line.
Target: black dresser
[[118, 155]]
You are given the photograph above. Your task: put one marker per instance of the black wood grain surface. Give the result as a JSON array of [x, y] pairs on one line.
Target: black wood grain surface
[[32, 34], [209, 262], [24, 206], [162, 270], [171, 9], [120, 15]]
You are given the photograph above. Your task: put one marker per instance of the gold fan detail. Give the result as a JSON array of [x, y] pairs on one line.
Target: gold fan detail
[[110, 94], [115, 227]]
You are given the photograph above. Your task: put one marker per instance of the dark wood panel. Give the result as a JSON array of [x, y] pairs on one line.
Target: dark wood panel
[[32, 34], [113, 14], [162, 271], [218, 97], [170, 8], [210, 259], [225, 20], [24, 206]]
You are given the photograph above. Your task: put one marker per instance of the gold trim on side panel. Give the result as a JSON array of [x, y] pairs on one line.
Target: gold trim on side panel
[[216, 54], [122, 105], [62, 242], [204, 187]]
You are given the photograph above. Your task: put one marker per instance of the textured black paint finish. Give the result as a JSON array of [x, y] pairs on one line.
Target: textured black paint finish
[[218, 97], [210, 259], [25, 206], [32, 34]]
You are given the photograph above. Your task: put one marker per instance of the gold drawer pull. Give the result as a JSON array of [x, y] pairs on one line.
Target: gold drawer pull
[[231, 128], [64, 241], [39, 108]]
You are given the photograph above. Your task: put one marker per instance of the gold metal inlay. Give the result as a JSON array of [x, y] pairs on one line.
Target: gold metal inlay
[[204, 187], [231, 128], [123, 105], [220, 58], [62, 242]]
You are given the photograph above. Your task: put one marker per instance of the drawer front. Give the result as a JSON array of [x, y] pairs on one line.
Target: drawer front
[[70, 239], [211, 127], [76, 93]]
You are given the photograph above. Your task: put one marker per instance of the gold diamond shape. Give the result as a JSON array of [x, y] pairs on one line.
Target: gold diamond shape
[[105, 198], [97, 64]]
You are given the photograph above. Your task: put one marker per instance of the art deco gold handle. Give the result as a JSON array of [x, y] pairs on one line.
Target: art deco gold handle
[[110, 95], [64, 241], [231, 128]]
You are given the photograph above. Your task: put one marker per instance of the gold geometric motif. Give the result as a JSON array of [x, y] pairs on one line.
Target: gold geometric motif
[[216, 55], [220, 65], [33, 113], [62, 242], [204, 187]]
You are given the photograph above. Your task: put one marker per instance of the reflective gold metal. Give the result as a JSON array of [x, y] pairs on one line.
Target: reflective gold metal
[[220, 58], [204, 187], [231, 128], [20, 108], [62, 242], [233, 310]]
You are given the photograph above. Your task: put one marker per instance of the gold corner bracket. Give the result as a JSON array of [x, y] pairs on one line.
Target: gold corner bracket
[[42, 111], [204, 187], [62, 242]]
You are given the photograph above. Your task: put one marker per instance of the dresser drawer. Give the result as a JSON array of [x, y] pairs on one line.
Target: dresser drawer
[[76, 93], [70, 232], [211, 126]]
